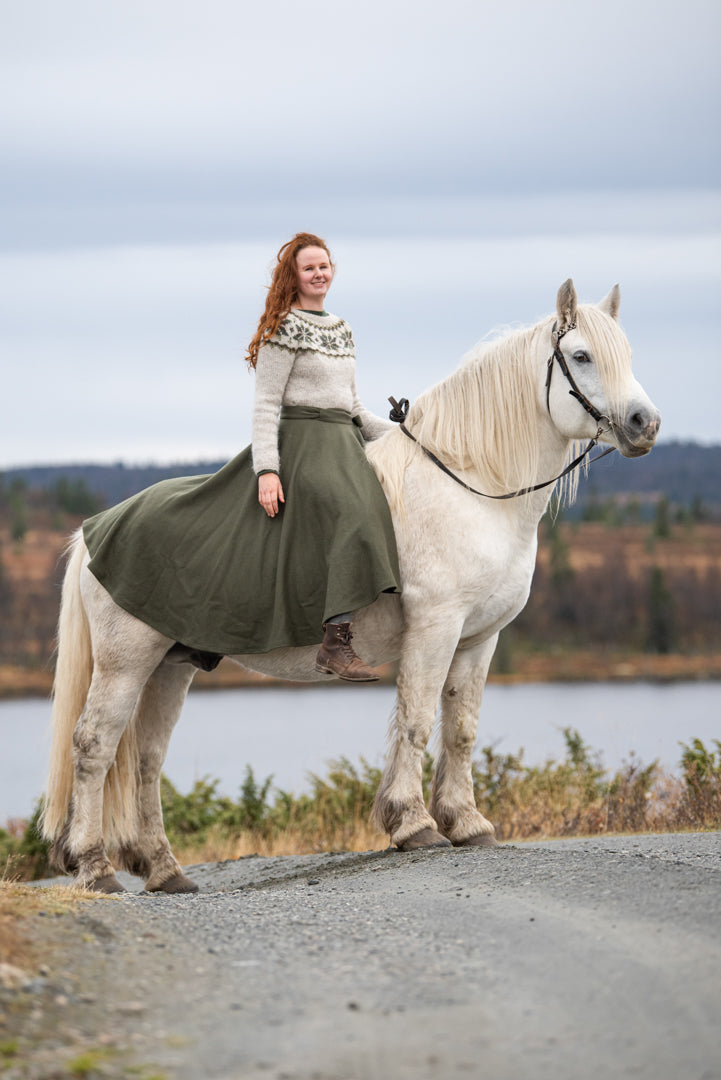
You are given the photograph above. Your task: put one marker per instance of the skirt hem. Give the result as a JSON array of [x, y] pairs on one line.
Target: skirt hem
[[313, 638]]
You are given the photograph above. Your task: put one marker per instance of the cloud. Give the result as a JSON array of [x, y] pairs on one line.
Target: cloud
[[153, 220], [137, 352], [190, 102], [462, 159]]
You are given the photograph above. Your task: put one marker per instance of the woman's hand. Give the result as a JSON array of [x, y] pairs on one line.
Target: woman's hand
[[270, 493]]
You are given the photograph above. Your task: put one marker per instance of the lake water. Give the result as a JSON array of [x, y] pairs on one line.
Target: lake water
[[291, 732]]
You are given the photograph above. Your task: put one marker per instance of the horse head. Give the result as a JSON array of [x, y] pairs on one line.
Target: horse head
[[590, 389]]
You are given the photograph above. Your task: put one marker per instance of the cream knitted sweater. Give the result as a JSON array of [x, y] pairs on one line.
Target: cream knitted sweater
[[310, 361]]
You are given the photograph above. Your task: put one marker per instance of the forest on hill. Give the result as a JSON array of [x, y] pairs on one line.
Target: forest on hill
[[628, 581], [684, 472]]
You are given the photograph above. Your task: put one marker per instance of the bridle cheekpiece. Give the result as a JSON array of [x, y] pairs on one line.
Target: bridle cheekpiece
[[560, 359], [400, 408]]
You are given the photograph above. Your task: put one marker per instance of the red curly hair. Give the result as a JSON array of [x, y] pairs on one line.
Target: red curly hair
[[283, 290]]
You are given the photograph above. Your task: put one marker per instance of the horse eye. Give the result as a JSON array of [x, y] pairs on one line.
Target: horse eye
[[581, 357]]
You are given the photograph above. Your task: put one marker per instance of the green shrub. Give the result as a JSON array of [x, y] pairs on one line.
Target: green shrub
[[574, 796], [24, 855], [701, 767]]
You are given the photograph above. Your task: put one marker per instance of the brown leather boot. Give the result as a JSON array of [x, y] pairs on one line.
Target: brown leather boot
[[336, 655]]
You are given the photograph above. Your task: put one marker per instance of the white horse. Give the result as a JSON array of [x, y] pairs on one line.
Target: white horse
[[506, 420]]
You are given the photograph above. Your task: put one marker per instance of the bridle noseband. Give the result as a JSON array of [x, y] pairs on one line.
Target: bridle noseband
[[399, 412]]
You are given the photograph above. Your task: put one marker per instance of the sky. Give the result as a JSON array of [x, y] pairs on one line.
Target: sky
[[461, 159]]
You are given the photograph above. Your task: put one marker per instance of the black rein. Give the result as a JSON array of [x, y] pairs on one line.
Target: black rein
[[399, 412]]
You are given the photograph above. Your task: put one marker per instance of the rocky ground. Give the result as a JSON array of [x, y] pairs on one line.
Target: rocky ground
[[593, 957]]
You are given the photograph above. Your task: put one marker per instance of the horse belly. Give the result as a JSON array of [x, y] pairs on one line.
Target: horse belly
[[377, 635]]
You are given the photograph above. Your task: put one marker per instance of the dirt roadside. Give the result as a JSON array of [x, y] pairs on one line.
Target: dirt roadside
[[590, 957]]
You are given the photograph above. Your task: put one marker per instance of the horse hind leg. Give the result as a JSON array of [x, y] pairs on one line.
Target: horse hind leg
[[453, 803], [104, 773], [125, 652], [148, 854]]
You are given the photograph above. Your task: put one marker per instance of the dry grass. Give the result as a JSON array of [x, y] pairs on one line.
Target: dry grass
[[546, 816], [546, 811], [19, 904], [218, 846], [577, 797], [574, 796]]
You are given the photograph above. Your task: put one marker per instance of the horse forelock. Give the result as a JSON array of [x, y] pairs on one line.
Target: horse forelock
[[611, 352]]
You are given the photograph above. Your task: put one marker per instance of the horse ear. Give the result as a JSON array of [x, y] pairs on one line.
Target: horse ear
[[566, 304], [611, 303]]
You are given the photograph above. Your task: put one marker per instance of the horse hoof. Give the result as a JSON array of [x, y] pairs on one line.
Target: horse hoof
[[426, 838], [484, 839], [179, 883], [107, 884]]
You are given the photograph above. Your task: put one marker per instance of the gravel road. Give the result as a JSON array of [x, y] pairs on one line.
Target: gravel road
[[563, 959]]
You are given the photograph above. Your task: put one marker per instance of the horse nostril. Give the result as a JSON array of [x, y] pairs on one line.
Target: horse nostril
[[643, 423]]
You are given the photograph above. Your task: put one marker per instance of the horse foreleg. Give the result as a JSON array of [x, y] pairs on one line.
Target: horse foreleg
[[453, 804], [399, 806], [149, 854]]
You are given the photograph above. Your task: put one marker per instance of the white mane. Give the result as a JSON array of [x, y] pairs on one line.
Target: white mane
[[485, 416]]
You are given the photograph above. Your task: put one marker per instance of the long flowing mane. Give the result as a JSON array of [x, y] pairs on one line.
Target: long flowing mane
[[485, 416]]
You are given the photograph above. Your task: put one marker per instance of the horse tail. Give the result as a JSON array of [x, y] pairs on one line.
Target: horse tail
[[73, 673]]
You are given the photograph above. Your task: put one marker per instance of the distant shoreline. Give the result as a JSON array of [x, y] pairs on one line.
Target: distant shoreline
[[563, 667]]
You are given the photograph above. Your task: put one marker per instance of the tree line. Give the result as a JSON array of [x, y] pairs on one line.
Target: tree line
[[610, 580], [682, 471]]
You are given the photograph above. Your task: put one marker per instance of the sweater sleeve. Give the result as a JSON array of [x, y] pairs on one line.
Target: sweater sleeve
[[271, 375], [373, 426]]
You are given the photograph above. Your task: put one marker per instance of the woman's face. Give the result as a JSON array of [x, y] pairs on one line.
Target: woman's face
[[315, 274]]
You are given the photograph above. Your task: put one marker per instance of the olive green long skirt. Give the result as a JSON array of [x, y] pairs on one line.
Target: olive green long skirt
[[198, 559]]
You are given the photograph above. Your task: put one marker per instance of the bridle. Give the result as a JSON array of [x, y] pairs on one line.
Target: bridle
[[399, 412], [558, 356]]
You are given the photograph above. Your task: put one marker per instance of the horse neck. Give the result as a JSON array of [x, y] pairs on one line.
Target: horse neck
[[488, 420], [552, 459], [553, 446]]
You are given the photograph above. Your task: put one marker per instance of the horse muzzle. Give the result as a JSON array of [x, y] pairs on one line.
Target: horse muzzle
[[637, 433]]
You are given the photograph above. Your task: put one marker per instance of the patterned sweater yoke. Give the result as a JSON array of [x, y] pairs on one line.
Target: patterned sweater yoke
[[303, 330], [309, 361]]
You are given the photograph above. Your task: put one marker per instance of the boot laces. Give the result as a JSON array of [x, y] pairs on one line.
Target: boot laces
[[345, 636]]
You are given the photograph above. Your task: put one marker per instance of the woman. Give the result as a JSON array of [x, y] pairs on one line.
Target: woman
[[292, 535], [304, 359]]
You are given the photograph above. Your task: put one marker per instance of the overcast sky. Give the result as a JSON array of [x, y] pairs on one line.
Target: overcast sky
[[462, 159]]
